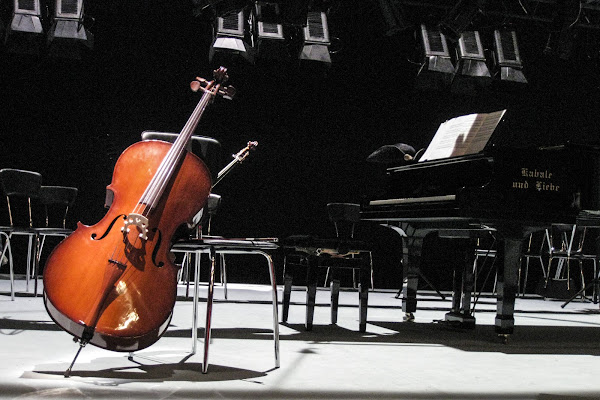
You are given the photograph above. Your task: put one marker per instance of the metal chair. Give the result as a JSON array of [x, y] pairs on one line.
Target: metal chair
[[219, 246], [209, 150], [203, 229], [566, 244], [56, 202], [341, 252], [198, 243], [535, 250], [20, 187]]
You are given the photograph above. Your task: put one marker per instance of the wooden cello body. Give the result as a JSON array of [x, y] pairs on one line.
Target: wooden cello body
[[114, 284]]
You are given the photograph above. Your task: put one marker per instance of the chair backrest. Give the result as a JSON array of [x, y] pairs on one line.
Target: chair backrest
[[344, 216], [57, 200], [565, 238], [207, 148], [202, 221], [20, 187]]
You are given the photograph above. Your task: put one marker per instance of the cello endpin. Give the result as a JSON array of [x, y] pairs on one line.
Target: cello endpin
[[82, 344]]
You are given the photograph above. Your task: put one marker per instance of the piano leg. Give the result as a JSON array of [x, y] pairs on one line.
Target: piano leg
[[412, 246], [462, 285], [509, 250]]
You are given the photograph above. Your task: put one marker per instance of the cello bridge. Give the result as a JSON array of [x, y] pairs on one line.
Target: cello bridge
[[138, 221]]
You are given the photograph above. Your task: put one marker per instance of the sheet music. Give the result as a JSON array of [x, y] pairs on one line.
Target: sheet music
[[463, 135]]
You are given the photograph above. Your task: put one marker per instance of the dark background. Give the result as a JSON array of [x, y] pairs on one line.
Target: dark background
[[71, 119]]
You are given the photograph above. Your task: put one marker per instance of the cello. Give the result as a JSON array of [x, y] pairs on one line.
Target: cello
[[114, 284]]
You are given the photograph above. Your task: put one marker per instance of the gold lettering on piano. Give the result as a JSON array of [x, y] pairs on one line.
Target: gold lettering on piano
[[540, 180], [546, 187], [527, 173], [521, 185]]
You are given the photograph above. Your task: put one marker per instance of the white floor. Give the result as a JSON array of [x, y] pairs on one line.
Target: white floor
[[552, 355]]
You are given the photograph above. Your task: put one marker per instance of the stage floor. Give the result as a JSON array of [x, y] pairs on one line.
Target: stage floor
[[553, 353]]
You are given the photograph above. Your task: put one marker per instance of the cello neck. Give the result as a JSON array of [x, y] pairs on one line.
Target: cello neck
[[169, 164]]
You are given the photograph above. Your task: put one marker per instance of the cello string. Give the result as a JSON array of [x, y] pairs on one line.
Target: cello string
[[161, 179], [163, 175], [164, 172]]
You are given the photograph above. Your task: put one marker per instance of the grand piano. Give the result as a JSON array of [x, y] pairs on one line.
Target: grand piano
[[508, 191]]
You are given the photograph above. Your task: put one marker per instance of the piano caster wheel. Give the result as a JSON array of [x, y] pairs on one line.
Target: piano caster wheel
[[409, 317], [503, 338]]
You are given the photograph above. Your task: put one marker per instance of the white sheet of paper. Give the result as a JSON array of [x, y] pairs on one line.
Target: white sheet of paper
[[463, 135]]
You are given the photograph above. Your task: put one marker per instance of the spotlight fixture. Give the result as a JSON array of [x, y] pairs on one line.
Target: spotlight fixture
[[25, 32], [436, 68], [315, 44], [471, 72], [230, 39], [507, 56], [68, 36], [26, 17], [270, 42], [460, 17]]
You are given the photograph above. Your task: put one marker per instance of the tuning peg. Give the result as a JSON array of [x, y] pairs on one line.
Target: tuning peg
[[227, 92], [220, 75], [198, 84]]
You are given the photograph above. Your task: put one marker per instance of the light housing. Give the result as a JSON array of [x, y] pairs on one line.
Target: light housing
[[25, 33], [471, 72], [230, 39], [315, 38], [436, 67], [27, 17], [68, 36], [508, 61], [270, 41]]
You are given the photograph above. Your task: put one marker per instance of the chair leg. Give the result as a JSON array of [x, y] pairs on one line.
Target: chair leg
[[209, 304], [186, 271], [36, 263], [326, 277], [224, 275], [275, 311], [311, 294], [196, 299], [6, 251], [287, 292], [335, 299], [28, 268], [363, 299]]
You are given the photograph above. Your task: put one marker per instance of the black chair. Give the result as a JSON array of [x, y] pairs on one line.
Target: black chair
[[484, 264], [207, 148], [341, 252], [56, 202], [566, 244], [20, 187], [536, 249], [202, 229], [200, 242], [215, 246]]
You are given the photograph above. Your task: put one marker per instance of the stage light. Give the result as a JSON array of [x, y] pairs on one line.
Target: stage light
[[436, 66], [68, 37], [25, 32], [231, 42], [270, 42], [315, 44], [472, 72], [460, 17], [507, 56]]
